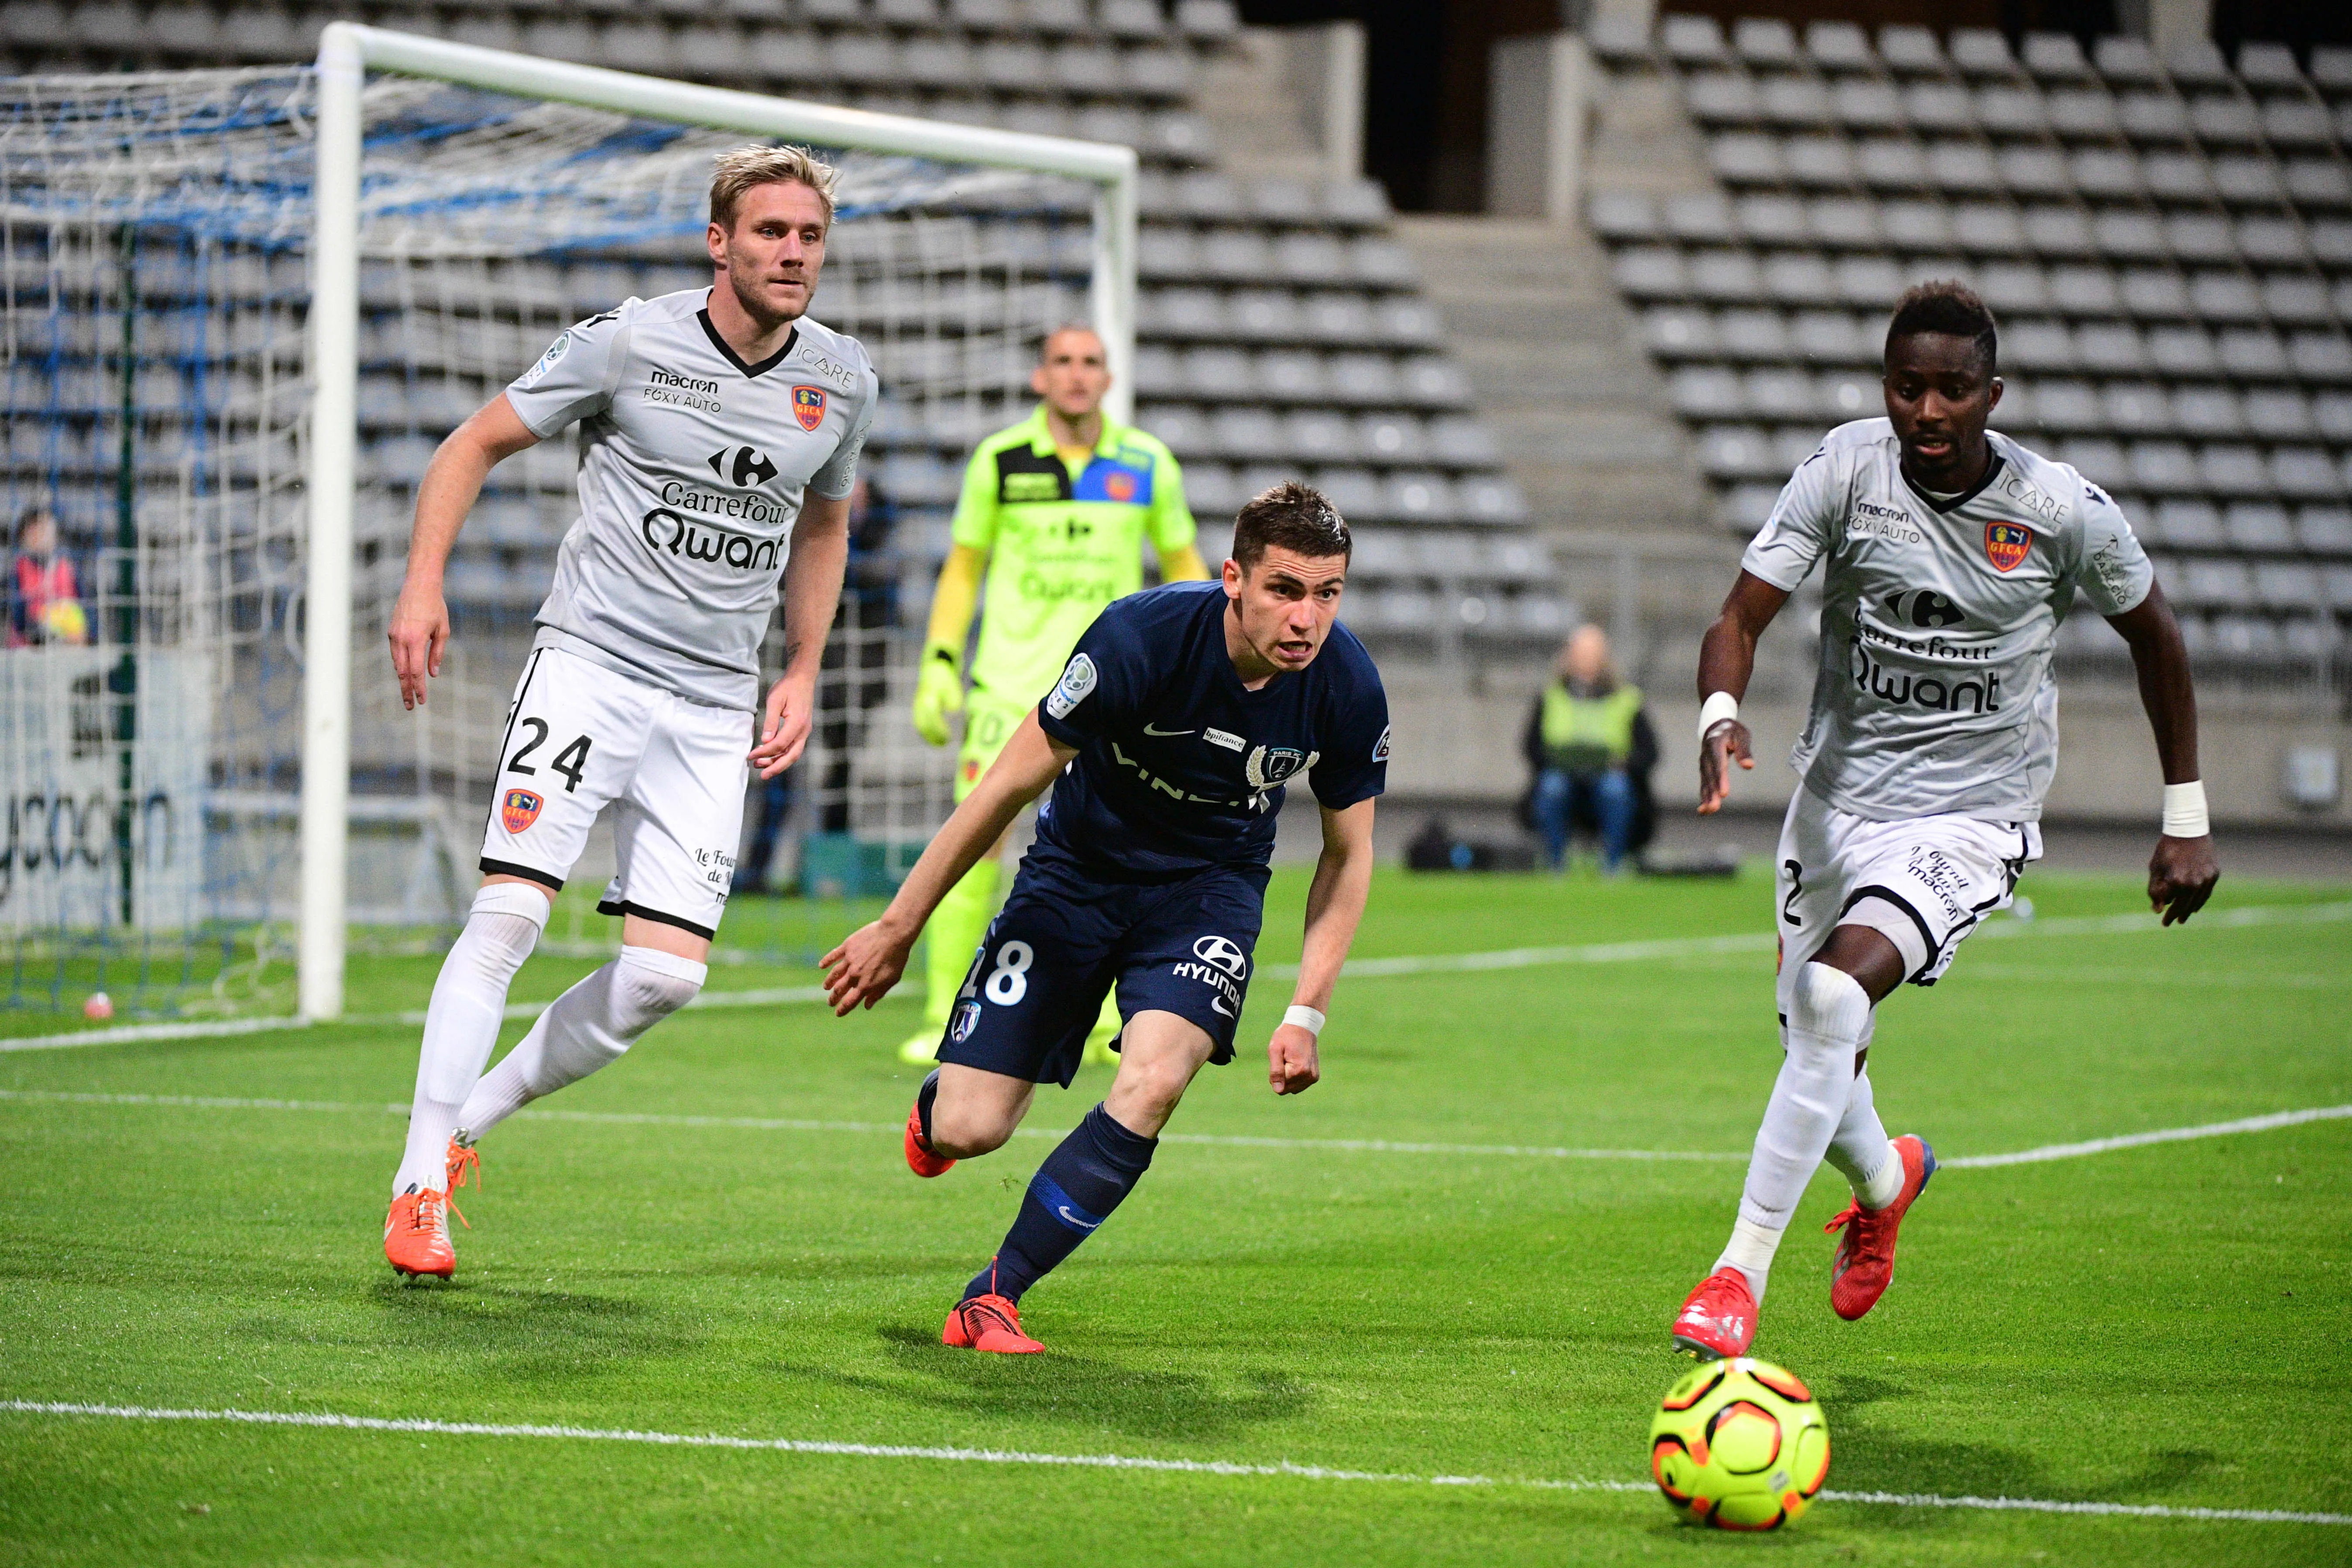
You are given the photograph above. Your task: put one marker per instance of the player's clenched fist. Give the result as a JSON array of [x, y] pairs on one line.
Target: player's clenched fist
[[861, 971], [1292, 1066], [1726, 742]]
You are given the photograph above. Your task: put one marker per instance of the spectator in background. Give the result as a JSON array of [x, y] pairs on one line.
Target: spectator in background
[[44, 598], [852, 679], [1592, 748]]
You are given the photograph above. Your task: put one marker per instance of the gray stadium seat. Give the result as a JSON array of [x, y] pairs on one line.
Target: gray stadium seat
[[2225, 584], [1869, 281], [2190, 524], [1285, 201], [2005, 110], [1818, 162], [2034, 172], [2053, 230], [1391, 439], [1839, 46], [1736, 451], [1419, 495], [2153, 294], [1319, 436], [2152, 117], [1491, 498], [1620, 41], [184, 29], [2177, 177], [1382, 262], [2197, 64], [2163, 467], [1889, 164], [2331, 241], [2322, 356], [1213, 488], [2100, 461], [1337, 318], [2331, 67], [1720, 98], [1679, 333], [1244, 255], [2252, 352], [2055, 57], [2304, 473], [1773, 220], [2085, 290], [1182, 426], [2207, 410], [1765, 41], [1914, 51], [2103, 172], [2131, 235], [1981, 52], [1651, 272], [1830, 337], [1429, 381], [1794, 100], [1918, 226], [1189, 313], [1248, 434], [2276, 241], [1207, 21], [1842, 395], [1987, 229], [2110, 348], [2245, 181], [1692, 40], [2224, 122], [1752, 335], [2324, 529], [1307, 257], [1867, 106], [1777, 392], [1623, 215], [2198, 236], [2136, 407], [2013, 286], [1462, 441], [1355, 491], [1725, 275], [1797, 277], [2082, 113], [2038, 345], [2225, 297], [2318, 183], [2063, 406], [2278, 412], [1746, 158], [1159, 372], [1291, 376], [1938, 107], [2296, 123], [1701, 215], [2228, 469], [1843, 223]]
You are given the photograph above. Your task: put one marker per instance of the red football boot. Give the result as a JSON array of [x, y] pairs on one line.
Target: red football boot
[[988, 1323], [1865, 1260], [919, 1157], [1718, 1320]]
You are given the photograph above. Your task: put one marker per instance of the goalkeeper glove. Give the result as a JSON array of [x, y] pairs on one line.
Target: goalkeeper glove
[[939, 691]]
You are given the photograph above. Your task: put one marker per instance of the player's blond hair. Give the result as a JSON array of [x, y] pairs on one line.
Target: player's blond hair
[[740, 169]]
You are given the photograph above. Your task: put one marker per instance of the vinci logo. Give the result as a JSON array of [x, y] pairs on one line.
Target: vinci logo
[[808, 407], [519, 810], [2006, 544]]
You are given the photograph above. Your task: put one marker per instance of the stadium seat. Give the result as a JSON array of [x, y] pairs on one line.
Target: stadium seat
[[2086, 113], [1981, 52], [2055, 57], [1692, 40], [1911, 50], [1839, 46]]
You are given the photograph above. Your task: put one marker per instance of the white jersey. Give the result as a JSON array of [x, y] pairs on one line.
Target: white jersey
[[1935, 694], [692, 468]]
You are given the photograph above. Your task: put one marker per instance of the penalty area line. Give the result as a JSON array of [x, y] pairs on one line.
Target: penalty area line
[[1283, 1469]]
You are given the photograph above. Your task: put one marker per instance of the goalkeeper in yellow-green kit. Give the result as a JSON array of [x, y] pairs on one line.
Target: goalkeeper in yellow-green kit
[[1053, 516]]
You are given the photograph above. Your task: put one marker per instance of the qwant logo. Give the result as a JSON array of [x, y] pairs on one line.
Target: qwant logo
[[677, 534]]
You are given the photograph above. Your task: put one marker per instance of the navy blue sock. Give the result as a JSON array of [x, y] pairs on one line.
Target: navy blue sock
[[1072, 1194], [923, 1099]]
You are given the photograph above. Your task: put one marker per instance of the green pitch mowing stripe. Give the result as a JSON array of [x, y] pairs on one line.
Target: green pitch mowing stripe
[[1104, 1461]]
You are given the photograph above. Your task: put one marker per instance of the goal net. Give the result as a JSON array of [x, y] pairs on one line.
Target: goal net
[[229, 362]]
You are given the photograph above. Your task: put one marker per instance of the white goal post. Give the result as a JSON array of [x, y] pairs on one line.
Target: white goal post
[[347, 52]]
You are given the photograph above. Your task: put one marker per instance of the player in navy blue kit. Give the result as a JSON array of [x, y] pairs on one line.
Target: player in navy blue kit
[[1168, 742]]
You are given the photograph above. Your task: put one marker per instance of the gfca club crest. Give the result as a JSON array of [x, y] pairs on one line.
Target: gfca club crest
[[2006, 543], [519, 810], [808, 407]]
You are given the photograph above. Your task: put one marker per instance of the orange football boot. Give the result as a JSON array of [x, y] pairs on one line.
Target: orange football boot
[[416, 1233], [988, 1323], [1718, 1320], [919, 1157], [1864, 1264]]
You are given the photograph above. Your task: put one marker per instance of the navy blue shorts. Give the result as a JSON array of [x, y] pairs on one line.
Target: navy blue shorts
[[1065, 937]]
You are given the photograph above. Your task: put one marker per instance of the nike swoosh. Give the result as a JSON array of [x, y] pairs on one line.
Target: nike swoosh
[[1220, 1006], [1150, 731], [1069, 1218]]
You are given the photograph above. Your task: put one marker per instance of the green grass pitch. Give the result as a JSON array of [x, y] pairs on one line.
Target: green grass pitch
[[2155, 1325]]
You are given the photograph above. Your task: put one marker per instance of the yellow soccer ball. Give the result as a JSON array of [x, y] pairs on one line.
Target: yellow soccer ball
[[1739, 1444], [65, 621]]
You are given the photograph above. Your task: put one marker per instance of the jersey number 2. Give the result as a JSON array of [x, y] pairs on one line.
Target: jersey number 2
[[570, 762]]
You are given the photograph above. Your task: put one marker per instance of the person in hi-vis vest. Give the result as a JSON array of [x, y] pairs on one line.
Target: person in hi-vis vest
[[1591, 746]]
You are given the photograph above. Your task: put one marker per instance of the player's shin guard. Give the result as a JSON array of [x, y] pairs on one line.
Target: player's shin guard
[[1863, 1152], [953, 935], [461, 1024], [1828, 1018], [587, 1027], [1081, 1182]]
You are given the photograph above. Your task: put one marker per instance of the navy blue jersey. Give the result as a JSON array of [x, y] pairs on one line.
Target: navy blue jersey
[[1179, 766]]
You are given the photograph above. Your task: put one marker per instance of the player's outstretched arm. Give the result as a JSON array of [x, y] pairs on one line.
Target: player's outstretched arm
[[2184, 869], [813, 577], [938, 685], [452, 483], [861, 971], [1335, 905], [1727, 658]]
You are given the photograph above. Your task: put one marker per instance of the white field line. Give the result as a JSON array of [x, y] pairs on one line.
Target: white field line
[[1285, 1468], [1357, 969], [2141, 1140], [1210, 1140]]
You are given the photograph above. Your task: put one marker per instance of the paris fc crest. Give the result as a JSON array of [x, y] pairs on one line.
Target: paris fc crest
[[808, 407], [519, 810], [1269, 765], [2006, 543]]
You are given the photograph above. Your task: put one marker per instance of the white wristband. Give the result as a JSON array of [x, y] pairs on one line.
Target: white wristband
[[2184, 810], [1306, 1017], [1719, 706]]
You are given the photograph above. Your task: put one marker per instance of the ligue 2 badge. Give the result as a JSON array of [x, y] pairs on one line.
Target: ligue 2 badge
[[519, 810], [808, 407], [2006, 544]]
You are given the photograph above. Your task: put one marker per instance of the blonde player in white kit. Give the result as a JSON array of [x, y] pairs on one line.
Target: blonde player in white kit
[[1949, 556], [720, 431]]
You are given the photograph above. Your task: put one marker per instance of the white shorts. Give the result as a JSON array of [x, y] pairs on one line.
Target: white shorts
[[580, 737], [1923, 883]]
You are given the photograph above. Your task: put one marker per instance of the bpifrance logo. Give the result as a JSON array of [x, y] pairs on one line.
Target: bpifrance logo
[[808, 407], [521, 809], [2006, 544]]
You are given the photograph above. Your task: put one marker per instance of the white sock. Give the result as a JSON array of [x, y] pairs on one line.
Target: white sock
[[461, 1024], [1862, 1151], [1827, 1019], [589, 1026]]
